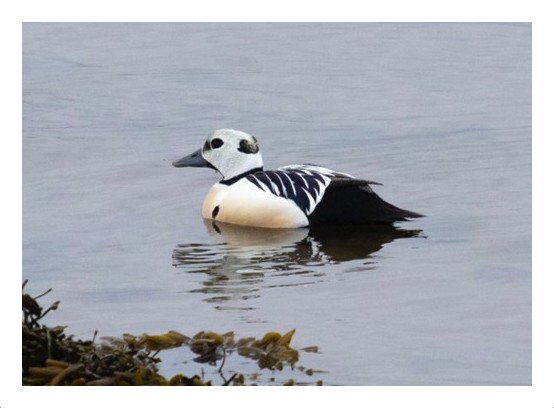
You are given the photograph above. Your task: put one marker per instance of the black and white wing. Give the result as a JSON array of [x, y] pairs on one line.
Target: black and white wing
[[304, 184], [329, 197], [301, 184]]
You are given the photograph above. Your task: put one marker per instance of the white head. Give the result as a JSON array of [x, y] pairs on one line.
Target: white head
[[230, 152]]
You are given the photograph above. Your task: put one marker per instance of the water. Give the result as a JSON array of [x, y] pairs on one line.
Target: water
[[438, 113]]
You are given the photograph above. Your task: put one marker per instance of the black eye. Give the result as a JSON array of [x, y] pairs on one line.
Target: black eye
[[216, 143]]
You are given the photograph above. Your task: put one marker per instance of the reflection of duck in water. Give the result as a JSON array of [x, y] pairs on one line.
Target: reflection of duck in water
[[290, 197], [329, 243], [246, 257]]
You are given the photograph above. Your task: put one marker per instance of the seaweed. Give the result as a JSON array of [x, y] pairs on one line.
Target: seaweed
[[51, 357]]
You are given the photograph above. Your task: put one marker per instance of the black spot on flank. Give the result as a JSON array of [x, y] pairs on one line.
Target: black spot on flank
[[215, 211], [216, 143]]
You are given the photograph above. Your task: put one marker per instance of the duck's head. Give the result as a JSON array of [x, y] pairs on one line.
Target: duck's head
[[230, 152]]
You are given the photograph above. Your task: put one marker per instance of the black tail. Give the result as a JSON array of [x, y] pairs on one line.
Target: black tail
[[354, 202]]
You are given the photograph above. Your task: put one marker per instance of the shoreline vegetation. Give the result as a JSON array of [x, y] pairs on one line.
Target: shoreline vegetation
[[51, 357]]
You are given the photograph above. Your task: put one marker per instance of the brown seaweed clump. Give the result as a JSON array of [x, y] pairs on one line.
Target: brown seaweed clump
[[50, 357]]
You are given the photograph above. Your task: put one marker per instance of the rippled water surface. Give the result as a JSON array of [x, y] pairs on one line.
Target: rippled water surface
[[440, 114]]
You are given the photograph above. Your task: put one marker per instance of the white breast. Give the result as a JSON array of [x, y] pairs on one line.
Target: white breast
[[242, 203]]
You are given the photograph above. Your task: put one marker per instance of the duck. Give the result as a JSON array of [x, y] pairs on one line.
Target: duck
[[293, 196]]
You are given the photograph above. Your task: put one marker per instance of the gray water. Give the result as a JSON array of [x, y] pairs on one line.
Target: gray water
[[440, 114]]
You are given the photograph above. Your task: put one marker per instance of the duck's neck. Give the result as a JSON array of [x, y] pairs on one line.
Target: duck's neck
[[233, 180]]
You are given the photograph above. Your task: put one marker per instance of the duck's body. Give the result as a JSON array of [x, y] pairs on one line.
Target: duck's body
[[290, 197], [243, 203]]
